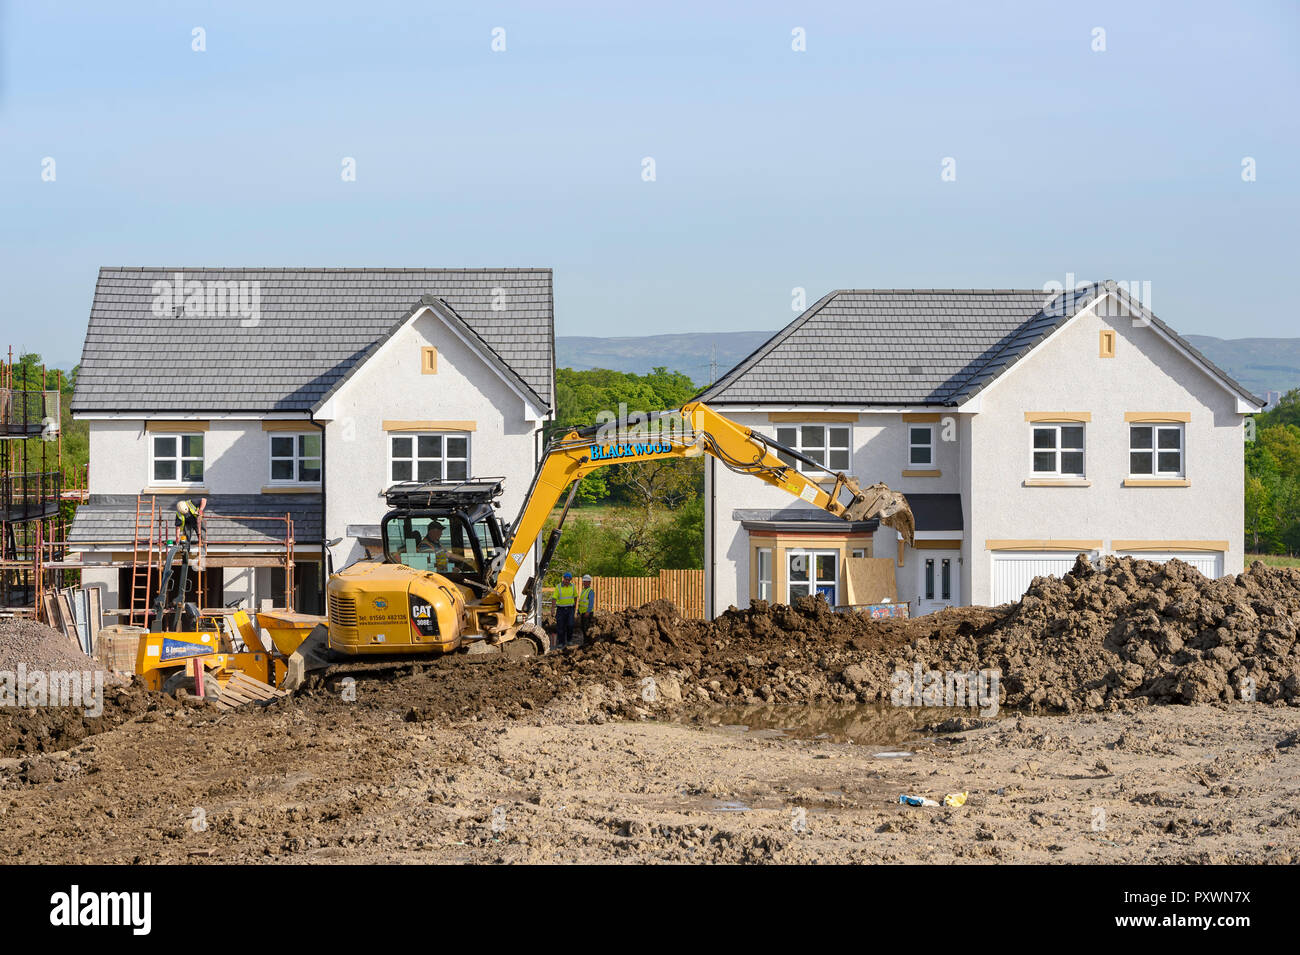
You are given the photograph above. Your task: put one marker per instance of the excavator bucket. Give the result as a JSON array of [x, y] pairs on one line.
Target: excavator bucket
[[879, 501], [312, 654]]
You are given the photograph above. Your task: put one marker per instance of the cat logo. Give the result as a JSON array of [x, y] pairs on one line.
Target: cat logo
[[421, 611]]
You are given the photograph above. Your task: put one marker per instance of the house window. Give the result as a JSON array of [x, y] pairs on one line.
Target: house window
[[858, 552], [177, 458], [764, 557], [1058, 450], [428, 457], [812, 572], [1155, 450], [920, 445], [828, 445], [295, 458]]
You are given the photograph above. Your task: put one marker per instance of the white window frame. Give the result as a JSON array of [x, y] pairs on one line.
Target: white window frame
[[1057, 450], [764, 583], [824, 448], [913, 445], [297, 458], [179, 457], [415, 458], [1155, 450], [813, 580]]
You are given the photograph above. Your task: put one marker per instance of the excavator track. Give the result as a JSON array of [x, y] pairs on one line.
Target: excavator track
[[326, 666]]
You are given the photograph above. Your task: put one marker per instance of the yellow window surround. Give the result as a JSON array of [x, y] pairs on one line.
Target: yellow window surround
[[1106, 344], [175, 427], [1157, 417], [1157, 482], [1042, 544], [390, 425], [1058, 416]]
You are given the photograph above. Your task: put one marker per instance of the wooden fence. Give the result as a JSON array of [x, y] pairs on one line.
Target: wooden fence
[[685, 588]]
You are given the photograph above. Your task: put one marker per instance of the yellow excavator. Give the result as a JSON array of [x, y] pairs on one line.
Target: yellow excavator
[[446, 579]]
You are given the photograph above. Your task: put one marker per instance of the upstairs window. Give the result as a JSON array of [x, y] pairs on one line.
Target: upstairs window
[[428, 457], [1058, 450], [1155, 450], [295, 458], [177, 458], [828, 445], [920, 445]]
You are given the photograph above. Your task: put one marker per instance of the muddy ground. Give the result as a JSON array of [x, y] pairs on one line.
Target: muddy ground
[[1146, 715], [305, 781]]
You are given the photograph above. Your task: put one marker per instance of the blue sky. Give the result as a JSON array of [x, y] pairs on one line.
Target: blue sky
[[775, 169]]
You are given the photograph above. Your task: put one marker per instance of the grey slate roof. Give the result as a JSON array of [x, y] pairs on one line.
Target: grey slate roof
[[111, 517], [907, 346], [799, 517], [936, 512], [315, 326]]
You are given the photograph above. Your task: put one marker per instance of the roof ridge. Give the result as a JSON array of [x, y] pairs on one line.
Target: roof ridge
[[320, 268]]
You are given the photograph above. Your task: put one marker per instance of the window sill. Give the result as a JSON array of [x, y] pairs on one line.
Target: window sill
[[1057, 482], [922, 472], [1157, 482], [291, 489], [177, 489]]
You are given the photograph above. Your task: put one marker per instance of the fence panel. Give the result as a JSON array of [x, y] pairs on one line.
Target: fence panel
[[685, 588]]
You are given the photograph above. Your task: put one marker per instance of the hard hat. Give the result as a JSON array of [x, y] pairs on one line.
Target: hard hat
[[182, 507], [586, 578], [567, 575]]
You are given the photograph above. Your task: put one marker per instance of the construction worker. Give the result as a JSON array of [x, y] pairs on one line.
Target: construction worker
[[586, 607], [566, 597], [187, 519]]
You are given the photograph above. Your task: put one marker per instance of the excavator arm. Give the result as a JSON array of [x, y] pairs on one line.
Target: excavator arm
[[694, 430]]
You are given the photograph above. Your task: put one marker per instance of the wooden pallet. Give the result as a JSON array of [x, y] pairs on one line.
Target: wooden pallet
[[242, 689]]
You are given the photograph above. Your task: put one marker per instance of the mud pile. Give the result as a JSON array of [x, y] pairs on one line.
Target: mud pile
[[25, 730], [1093, 639], [1138, 630]]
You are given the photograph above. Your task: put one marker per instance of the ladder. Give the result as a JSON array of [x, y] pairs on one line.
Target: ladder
[[142, 548]]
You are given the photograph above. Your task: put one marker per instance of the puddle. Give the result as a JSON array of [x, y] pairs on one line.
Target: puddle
[[894, 730]]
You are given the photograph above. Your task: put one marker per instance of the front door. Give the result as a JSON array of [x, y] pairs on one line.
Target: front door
[[938, 578]]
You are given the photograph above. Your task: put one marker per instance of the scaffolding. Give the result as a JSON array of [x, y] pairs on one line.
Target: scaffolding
[[150, 546], [35, 507]]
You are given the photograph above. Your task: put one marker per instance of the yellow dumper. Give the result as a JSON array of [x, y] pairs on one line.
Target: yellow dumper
[[168, 660]]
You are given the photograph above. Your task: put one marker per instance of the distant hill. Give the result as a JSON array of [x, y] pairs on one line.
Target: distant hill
[[1260, 364], [689, 352]]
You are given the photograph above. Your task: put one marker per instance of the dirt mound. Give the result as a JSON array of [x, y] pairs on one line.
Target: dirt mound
[[1138, 629], [46, 729], [1093, 639], [39, 647]]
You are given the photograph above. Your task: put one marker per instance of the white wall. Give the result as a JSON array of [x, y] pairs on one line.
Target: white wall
[[390, 386], [236, 457], [879, 452], [1066, 374]]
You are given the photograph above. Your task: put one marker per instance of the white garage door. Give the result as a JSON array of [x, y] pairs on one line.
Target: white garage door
[[1209, 563], [1014, 571]]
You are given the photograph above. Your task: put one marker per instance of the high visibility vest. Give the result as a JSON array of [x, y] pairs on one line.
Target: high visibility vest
[[587, 600], [565, 596]]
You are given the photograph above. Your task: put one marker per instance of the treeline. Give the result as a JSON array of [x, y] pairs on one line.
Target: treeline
[[1273, 479], [637, 518]]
